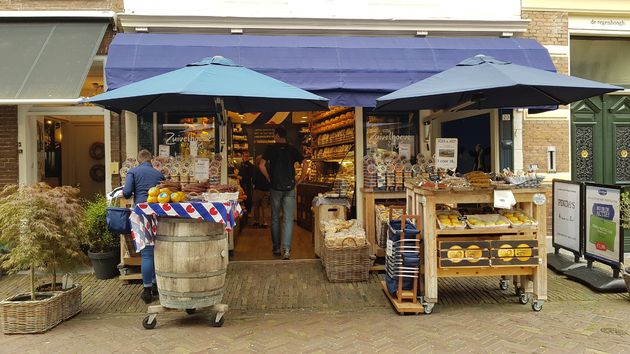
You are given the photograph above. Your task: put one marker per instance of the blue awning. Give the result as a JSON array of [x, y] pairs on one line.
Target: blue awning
[[350, 71]]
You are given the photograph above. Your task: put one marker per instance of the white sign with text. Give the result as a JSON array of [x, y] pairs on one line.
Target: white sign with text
[[566, 215], [446, 153], [202, 169]]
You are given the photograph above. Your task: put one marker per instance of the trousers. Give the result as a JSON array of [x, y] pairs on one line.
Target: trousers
[[282, 204], [147, 267]]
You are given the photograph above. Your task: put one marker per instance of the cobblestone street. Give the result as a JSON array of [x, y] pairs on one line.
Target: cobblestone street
[[290, 307]]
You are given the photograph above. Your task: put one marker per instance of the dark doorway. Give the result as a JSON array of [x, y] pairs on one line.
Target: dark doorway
[[470, 131]]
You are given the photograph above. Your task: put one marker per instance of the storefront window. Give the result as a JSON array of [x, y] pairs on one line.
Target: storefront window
[[182, 135], [397, 132]]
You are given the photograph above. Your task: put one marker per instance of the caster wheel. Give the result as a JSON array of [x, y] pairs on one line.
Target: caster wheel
[[190, 311], [428, 308], [503, 284], [147, 325], [523, 299], [537, 305], [218, 324]]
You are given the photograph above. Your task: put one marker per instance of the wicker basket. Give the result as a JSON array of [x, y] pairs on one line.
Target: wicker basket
[[347, 264], [31, 316], [71, 302], [70, 299]]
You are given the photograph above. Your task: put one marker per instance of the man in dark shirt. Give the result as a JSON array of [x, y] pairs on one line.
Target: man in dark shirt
[[246, 172], [281, 175]]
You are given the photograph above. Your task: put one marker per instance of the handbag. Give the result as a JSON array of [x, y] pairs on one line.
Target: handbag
[[117, 218]]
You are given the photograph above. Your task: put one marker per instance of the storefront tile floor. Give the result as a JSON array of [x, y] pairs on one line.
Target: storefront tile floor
[[290, 307]]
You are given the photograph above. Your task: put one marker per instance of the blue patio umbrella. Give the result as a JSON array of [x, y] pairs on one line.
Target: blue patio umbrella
[[483, 82], [211, 85]]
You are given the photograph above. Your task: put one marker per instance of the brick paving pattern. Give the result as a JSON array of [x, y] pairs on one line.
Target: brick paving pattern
[[262, 286], [290, 307]]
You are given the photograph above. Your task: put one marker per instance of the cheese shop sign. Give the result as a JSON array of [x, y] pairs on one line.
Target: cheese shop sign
[[603, 233]]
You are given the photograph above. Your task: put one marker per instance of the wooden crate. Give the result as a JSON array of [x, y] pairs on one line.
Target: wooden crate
[[464, 254], [514, 252]]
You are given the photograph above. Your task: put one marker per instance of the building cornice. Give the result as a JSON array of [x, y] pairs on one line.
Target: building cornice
[[58, 15], [318, 26]]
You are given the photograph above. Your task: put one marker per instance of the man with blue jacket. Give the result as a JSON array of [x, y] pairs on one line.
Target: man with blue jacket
[[138, 182]]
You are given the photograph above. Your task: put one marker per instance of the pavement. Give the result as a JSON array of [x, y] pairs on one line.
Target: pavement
[[291, 307]]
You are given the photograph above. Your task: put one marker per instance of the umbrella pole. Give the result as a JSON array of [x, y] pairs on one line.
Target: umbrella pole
[[222, 126]]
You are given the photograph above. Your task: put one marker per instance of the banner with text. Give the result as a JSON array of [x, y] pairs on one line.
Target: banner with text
[[603, 239], [567, 207]]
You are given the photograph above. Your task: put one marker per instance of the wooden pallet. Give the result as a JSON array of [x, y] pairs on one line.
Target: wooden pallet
[[130, 260], [409, 304]]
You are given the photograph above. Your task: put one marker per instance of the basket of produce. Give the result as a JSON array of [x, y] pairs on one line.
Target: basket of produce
[[450, 220], [480, 221], [346, 252], [518, 218]]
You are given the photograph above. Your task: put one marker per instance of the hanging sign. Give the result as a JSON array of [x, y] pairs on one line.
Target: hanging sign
[[603, 241], [567, 221], [202, 169], [446, 153]]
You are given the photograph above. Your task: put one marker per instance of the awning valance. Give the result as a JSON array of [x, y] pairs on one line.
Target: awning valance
[[350, 71], [46, 60]]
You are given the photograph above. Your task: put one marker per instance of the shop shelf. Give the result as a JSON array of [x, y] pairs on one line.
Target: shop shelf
[[335, 143], [332, 114], [348, 124]]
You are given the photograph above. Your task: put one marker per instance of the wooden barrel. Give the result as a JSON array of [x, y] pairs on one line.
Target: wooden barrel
[[191, 258]]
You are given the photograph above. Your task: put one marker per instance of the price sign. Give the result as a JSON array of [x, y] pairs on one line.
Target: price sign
[[164, 150], [202, 169], [446, 153]]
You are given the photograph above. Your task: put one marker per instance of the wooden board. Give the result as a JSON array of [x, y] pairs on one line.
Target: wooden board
[[404, 306]]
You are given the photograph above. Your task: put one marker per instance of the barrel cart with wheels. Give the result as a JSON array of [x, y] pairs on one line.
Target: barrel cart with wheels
[[191, 257], [507, 252]]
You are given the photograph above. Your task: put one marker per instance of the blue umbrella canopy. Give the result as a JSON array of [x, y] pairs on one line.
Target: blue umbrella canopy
[[483, 82], [195, 87]]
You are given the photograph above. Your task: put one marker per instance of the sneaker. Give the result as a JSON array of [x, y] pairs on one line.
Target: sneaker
[[264, 226], [146, 296], [154, 291], [276, 252], [287, 255]]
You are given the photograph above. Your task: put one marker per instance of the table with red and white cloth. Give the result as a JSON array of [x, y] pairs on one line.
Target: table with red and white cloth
[[144, 217]]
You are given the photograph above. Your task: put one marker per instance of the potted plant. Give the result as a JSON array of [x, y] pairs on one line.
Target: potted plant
[[104, 246], [42, 227]]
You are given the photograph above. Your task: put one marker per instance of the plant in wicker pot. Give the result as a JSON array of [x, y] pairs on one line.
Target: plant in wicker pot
[[104, 245], [41, 225]]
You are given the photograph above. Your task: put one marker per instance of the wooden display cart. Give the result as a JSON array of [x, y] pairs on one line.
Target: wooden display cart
[[491, 247]]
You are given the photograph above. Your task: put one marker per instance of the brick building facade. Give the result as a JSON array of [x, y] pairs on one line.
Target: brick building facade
[[550, 28], [9, 158], [8, 145]]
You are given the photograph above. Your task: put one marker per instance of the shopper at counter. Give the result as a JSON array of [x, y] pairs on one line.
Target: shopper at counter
[[261, 196], [138, 182], [281, 175]]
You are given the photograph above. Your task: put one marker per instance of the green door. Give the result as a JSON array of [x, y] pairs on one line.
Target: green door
[[600, 131], [616, 140], [586, 142]]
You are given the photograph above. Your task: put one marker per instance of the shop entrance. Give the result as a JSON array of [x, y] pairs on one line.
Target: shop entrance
[[474, 140], [251, 134], [70, 151], [325, 139]]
